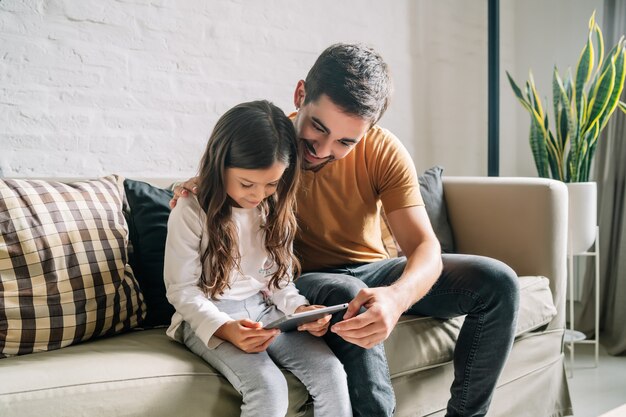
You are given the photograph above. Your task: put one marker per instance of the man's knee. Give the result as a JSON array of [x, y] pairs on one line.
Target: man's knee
[[494, 283], [344, 291], [329, 289], [501, 283]]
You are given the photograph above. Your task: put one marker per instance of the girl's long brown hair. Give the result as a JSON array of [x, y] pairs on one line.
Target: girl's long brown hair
[[252, 135]]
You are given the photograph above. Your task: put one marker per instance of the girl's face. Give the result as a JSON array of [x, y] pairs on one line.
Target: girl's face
[[248, 187]]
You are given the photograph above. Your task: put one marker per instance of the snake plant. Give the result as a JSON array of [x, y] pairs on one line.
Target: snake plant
[[582, 107]]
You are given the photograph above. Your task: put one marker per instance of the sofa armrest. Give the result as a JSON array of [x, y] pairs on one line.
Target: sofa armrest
[[520, 221]]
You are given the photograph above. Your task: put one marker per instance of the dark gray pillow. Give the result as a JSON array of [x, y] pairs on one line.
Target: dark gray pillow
[[431, 187], [147, 219]]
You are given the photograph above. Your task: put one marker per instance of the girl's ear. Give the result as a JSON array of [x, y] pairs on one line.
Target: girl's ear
[[299, 94]]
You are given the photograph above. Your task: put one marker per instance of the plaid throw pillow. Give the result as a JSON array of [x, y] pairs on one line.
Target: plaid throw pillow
[[64, 275]]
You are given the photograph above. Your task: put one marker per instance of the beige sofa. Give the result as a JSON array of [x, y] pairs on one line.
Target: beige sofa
[[520, 221]]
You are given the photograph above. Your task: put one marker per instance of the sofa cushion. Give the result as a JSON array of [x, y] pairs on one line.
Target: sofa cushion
[[431, 188], [107, 376], [64, 276], [419, 343], [138, 373], [147, 214], [536, 308]]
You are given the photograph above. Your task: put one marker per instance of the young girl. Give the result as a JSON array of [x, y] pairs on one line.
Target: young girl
[[228, 267]]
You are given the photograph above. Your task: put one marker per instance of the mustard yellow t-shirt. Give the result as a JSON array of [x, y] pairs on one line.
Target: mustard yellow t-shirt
[[339, 206]]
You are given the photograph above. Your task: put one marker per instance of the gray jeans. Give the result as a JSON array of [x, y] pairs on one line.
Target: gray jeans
[[256, 375]]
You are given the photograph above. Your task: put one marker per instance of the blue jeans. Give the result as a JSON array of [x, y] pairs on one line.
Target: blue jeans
[[484, 289]]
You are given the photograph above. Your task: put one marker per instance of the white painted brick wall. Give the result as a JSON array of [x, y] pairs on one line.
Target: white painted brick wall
[[91, 87]]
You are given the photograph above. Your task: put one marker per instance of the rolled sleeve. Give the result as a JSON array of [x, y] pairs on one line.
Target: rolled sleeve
[[288, 299], [394, 174]]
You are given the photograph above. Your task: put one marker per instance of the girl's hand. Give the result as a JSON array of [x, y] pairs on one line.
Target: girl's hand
[[316, 328], [247, 335]]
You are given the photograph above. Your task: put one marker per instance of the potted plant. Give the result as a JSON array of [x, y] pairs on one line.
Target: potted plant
[[582, 106]]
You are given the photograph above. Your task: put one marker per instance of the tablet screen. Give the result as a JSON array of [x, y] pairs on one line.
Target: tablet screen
[[292, 321]]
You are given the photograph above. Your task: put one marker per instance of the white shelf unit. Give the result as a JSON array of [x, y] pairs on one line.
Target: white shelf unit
[[572, 336]]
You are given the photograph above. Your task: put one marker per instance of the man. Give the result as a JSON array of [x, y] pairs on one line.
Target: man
[[352, 168]]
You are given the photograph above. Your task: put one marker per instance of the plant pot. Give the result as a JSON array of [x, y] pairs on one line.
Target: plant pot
[[583, 215]]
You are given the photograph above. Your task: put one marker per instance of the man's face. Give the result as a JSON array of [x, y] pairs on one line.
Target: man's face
[[327, 132], [248, 187]]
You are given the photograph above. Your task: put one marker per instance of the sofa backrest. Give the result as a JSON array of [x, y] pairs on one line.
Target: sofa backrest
[[520, 221]]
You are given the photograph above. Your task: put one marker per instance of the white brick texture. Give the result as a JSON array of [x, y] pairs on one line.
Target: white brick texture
[[91, 87]]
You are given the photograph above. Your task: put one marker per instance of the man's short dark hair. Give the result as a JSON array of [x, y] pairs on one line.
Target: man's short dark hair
[[354, 77]]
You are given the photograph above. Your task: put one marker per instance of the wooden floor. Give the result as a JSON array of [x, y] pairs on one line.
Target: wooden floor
[[596, 391]]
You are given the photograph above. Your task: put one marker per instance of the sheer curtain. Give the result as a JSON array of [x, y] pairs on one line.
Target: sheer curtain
[[610, 172]]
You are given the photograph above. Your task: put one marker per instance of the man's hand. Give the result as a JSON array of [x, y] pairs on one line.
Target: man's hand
[[373, 326], [385, 305], [318, 327], [247, 335], [183, 190]]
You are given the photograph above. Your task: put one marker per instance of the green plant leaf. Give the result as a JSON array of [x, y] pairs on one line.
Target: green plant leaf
[[600, 41], [529, 97], [599, 96], [516, 90], [573, 156], [583, 73], [554, 157], [587, 169], [537, 139], [592, 20], [586, 154], [582, 102], [557, 104], [595, 29], [566, 118], [568, 85], [604, 66], [536, 100], [538, 135], [526, 103], [618, 87]]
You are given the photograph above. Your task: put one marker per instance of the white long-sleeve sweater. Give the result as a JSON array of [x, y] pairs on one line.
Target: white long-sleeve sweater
[[186, 242]]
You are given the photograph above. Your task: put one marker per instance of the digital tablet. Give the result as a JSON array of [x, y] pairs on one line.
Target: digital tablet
[[292, 321]]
